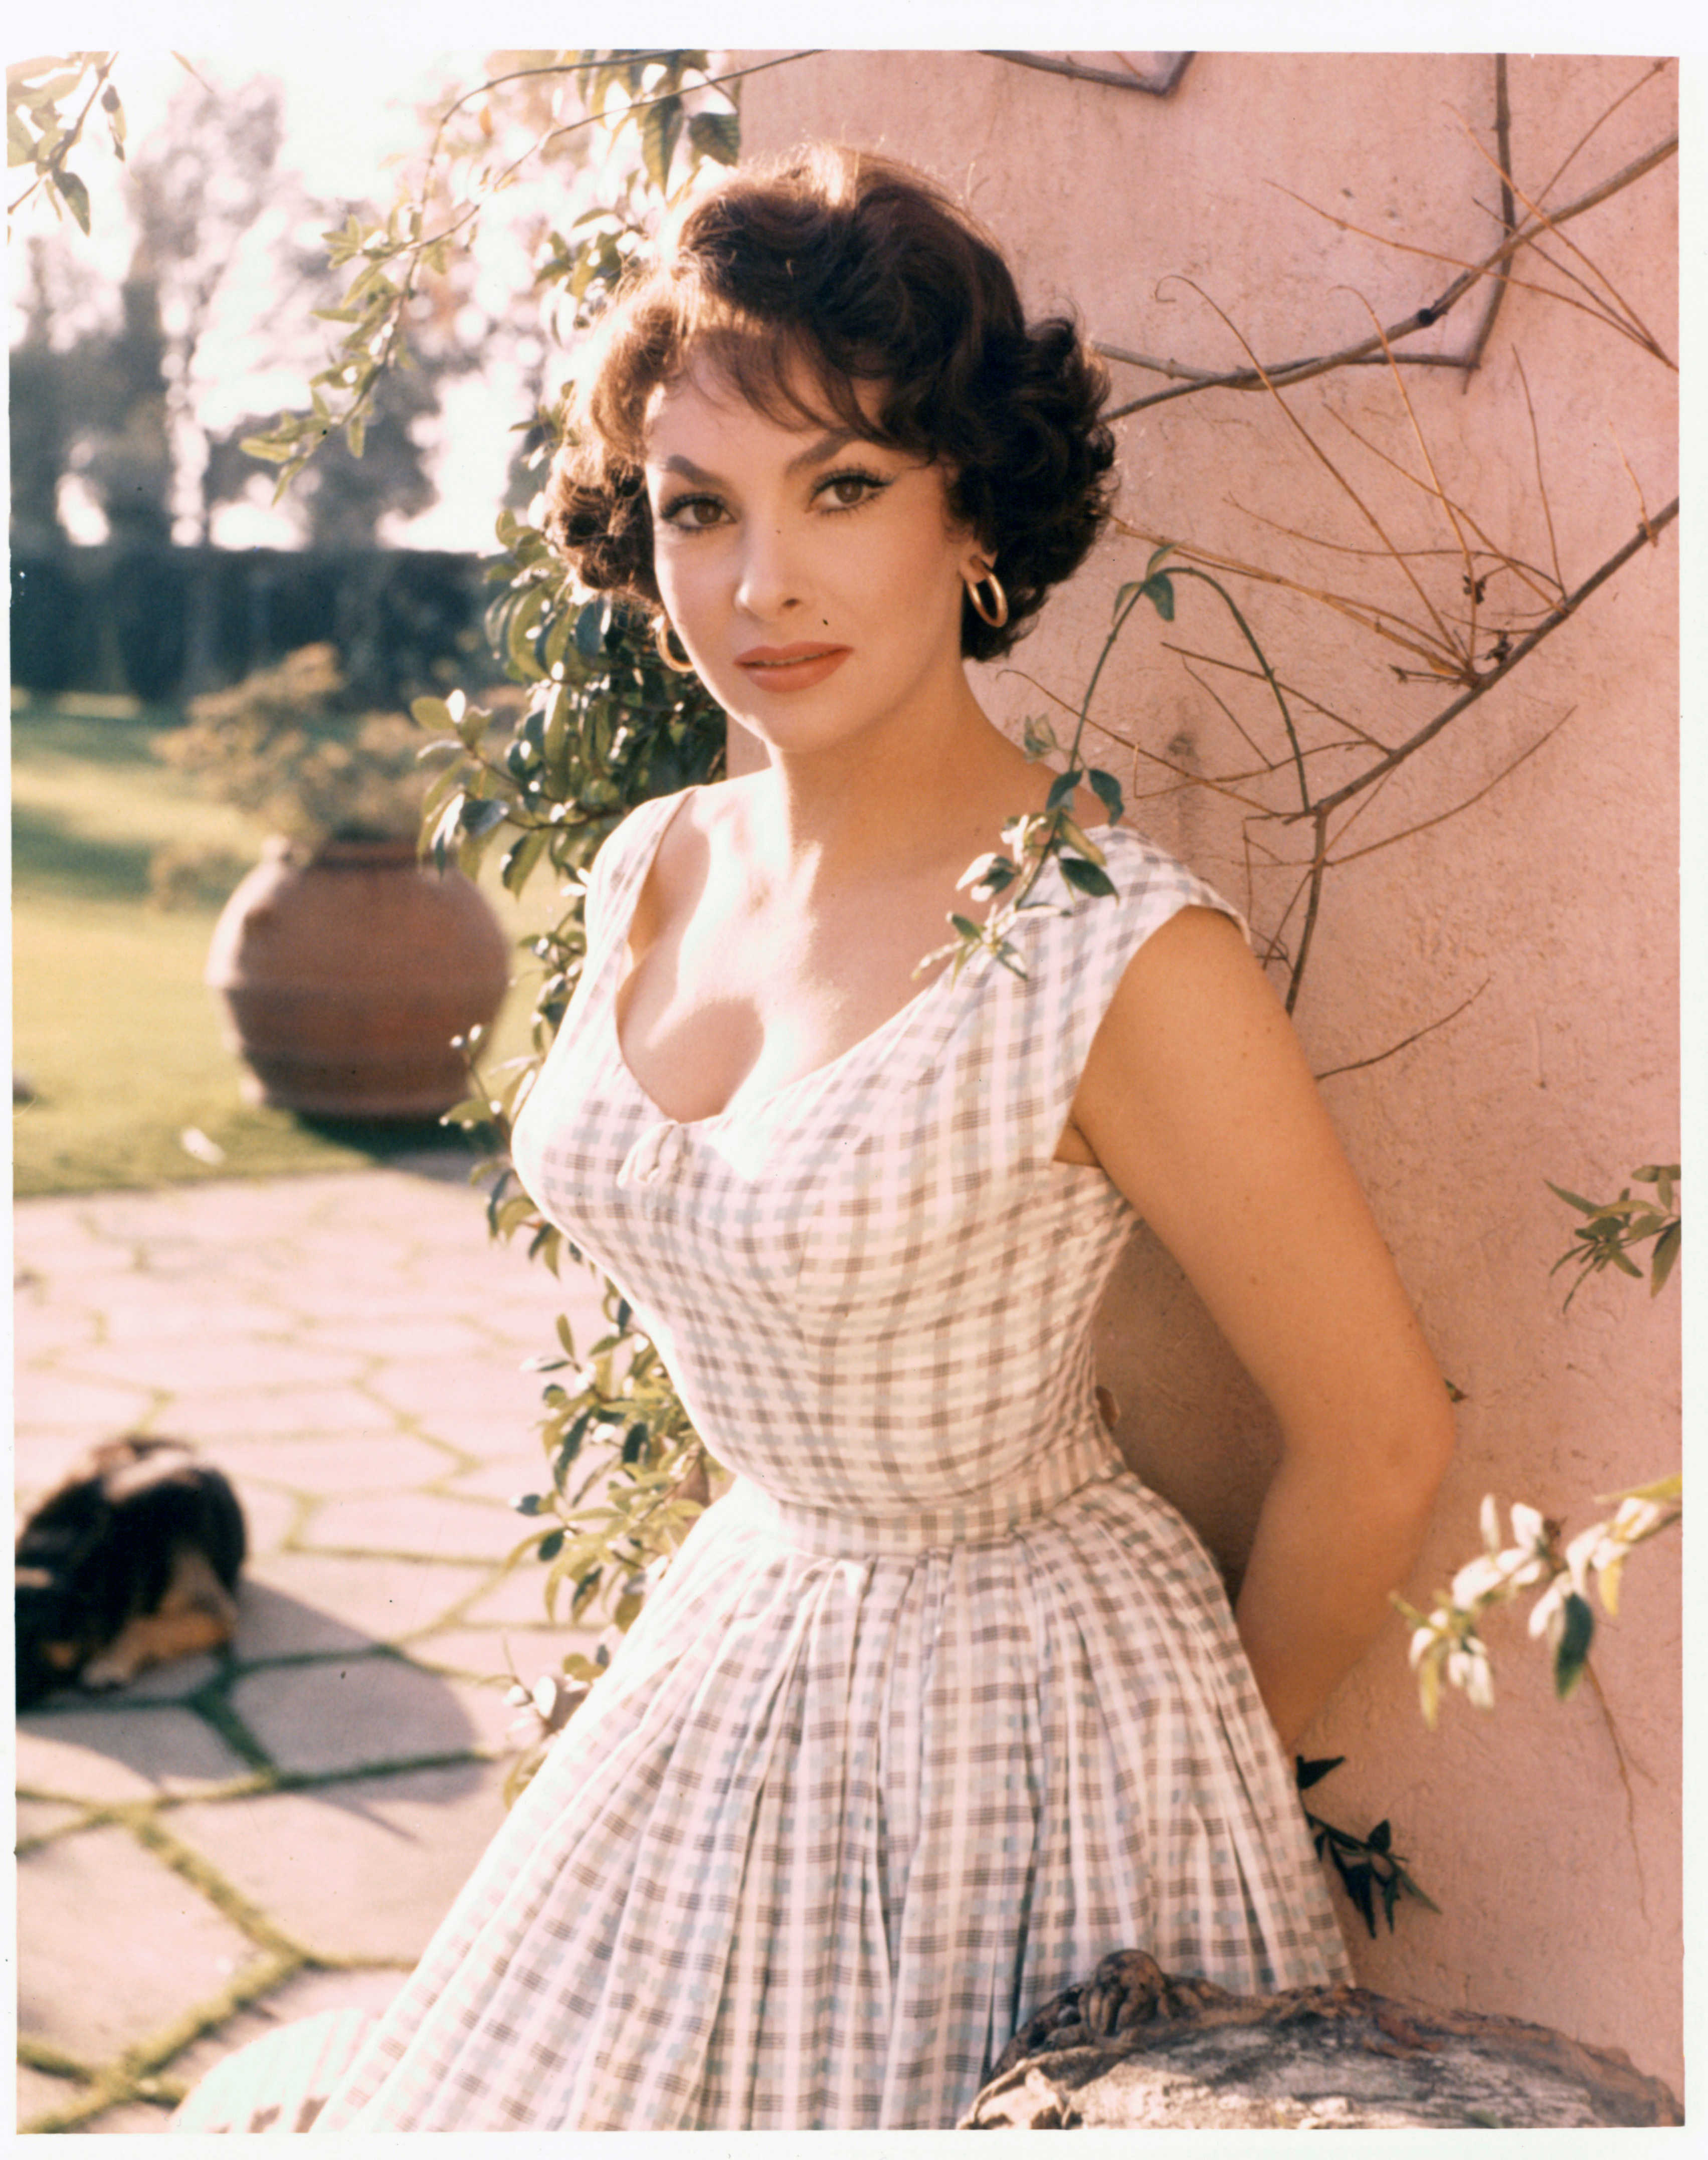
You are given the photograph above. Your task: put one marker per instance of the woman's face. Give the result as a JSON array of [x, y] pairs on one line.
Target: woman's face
[[815, 579]]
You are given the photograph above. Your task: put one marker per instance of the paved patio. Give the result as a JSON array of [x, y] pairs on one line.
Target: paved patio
[[244, 1838]]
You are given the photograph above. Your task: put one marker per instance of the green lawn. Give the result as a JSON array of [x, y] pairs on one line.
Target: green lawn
[[112, 1028]]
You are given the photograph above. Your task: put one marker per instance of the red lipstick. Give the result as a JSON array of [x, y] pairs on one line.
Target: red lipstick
[[789, 666]]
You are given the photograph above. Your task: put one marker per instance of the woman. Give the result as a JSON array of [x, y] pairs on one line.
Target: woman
[[938, 1705]]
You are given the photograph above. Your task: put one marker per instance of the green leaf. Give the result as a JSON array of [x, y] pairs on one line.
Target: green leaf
[[1358, 1885], [1086, 877], [1063, 788], [75, 195], [1160, 555], [1571, 1199], [1573, 1653], [716, 136], [476, 816], [1307, 1774], [1108, 790], [550, 1544], [1040, 740], [520, 859], [591, 628], [1667, 1247], [519, 635], [431, 712], [661, 129], [1159, 592]]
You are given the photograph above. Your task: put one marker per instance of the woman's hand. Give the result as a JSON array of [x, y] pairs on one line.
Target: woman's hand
[[1197, 1102]]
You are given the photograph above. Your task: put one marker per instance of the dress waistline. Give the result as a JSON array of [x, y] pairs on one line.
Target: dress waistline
[[980, 1518]]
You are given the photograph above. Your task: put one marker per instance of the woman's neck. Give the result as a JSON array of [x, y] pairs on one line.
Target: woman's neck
[[876, 806]]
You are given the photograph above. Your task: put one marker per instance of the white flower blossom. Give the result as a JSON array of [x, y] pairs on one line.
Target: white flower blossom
[[1468, 1668], [1637, 1519], [1475, 1579], [1549, 1608], [1584, 1550]]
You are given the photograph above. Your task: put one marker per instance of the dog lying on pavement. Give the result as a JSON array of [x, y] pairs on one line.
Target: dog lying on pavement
[[133, 1561]]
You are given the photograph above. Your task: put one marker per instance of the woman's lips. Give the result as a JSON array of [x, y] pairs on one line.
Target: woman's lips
[[789, 666]]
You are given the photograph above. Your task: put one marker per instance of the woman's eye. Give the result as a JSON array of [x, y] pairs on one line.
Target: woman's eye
[[693, 513], [847, 491]]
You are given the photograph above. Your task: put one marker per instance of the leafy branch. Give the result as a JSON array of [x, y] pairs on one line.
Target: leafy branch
[[1447, 1643], [1369, 1867], [1615, 1227], [647, 90], [1050, 835], [37, 135]]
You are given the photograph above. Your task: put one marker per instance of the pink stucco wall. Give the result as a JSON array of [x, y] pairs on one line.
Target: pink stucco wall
[[1548, 1834]]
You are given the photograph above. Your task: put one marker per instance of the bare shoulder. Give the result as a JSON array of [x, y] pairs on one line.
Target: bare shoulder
[[1197, 1100], [1196, 1051]]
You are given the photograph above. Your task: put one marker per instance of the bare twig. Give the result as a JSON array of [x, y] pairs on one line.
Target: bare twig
[[1520, 651], [1359, 1064], [1653, 68], [1508, 213], [1467, 651], [1385, 622], [1635, 484], [1456, 511], [1186, 652], [1368, 352], [1638, 328], [1159, 85], [1319, 863], [1322, 457], [1541, 483], [1442, 817]]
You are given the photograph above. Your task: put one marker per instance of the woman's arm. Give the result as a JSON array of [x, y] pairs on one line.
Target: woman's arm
[[1196, 1100]]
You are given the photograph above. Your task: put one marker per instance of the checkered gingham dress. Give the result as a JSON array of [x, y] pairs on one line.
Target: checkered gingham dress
[[938, 1705]]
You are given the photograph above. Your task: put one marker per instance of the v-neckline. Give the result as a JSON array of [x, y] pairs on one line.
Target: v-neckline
[[734, 1107]]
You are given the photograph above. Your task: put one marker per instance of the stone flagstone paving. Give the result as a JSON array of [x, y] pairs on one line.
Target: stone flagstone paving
[[258, 1834]]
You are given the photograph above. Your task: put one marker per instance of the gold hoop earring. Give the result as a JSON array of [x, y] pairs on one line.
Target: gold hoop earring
[[660, 639], [996, 614]]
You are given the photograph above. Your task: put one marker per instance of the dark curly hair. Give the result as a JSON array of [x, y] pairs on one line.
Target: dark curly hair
[[805, 279]]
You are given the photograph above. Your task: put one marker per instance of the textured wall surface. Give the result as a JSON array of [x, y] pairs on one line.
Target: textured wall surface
[[1547, 1833]]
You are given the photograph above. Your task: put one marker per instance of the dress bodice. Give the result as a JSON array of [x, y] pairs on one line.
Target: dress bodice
[[874, 1287]]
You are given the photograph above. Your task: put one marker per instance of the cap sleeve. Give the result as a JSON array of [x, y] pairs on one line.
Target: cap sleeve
[[1075, 959], [617, 869]]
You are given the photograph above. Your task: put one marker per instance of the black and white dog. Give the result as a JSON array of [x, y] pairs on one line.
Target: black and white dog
[[133, 1561]]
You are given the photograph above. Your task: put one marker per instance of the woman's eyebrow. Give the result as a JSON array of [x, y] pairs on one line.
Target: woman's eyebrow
[[816, 452], [827, 446]]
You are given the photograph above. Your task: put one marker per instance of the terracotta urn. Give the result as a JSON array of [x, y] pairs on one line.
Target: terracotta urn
[[346, 973]]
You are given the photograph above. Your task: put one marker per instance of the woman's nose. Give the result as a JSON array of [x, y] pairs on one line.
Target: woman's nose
[[769, 582]]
